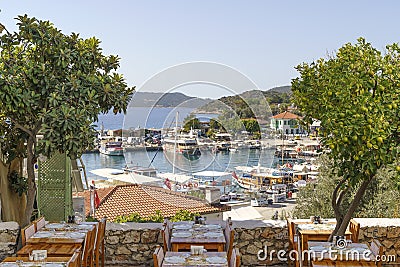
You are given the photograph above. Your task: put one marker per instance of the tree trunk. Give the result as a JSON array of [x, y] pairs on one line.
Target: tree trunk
[[12, 205], [31, 194], [342, 221]]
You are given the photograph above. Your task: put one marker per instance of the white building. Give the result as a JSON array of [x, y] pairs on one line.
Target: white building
[[287, 123]]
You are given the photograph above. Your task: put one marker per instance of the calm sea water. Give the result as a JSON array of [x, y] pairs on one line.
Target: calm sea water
[[162, 160]]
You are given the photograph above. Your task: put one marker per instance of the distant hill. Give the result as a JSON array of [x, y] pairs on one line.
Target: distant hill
[[147, 99], [287, 89], [275, 100]]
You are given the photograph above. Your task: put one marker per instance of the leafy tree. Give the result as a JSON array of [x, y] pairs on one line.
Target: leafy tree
[[216, 125], [355, 95], [54, 85], [251, 125], [380, 200], [191, 122]]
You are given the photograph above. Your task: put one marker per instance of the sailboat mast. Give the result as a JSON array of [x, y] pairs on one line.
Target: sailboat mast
[[176, 135]]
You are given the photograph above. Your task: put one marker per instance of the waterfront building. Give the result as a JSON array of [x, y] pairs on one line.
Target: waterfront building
[[287, 123]]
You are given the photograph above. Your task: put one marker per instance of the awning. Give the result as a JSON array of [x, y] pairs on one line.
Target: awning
[[120, 175]]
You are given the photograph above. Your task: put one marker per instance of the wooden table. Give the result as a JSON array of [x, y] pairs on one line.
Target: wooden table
[[210, 236], [33, 264], [316, 232], [53, 250], [57, 237], [354, 254], [48, 259], [74, 227], [185, 259]]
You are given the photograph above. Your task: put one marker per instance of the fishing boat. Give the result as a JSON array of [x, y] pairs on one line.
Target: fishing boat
[[183, 144], [257, 177], [111, 148], [256, 181]]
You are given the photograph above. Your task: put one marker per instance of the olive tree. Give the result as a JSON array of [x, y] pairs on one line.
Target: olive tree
[[314, 199], [355, 94], [54, 85]]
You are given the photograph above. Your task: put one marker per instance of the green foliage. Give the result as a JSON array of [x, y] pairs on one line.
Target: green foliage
[[158, 217], [247, 104], [54, 85], [91, 219], [57, 85], [191, 122], [380, 201], [18, 183], [183, 215], [355, 95], [251, 125], [134, 217]]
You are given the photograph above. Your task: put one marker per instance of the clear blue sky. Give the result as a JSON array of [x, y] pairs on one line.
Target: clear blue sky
[[265, 40]]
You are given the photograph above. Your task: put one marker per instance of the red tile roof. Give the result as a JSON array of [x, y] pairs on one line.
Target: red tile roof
[[286, 115], [145, 200]]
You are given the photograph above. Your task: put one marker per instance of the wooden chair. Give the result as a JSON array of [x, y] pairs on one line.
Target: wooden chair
[[229, 237], [166, 238], [27, 232], [75, 260], [99, 247], [293, 240], [158, 256], [354, 228], [377, 250], [88, 248], [39, 223], [168, 223], [234, 260]]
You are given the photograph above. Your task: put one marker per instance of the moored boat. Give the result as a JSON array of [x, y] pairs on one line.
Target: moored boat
[[112, 149], [183, 144]]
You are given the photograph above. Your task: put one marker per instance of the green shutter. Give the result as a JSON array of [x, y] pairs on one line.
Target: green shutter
[[54, 188]]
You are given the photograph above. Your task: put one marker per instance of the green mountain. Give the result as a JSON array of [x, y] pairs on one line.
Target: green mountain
[[147, 99], [253, 103]]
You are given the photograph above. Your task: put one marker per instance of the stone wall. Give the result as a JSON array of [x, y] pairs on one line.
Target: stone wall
[[132, 244], [387, 231], [259, 242], [9, 233]]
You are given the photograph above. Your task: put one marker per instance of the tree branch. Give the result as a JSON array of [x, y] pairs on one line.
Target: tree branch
[[4, 28], [335, 198], [26, 130]]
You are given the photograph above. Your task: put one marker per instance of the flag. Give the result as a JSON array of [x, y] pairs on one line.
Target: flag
[[234, 175], [168, 183], [95, 198]]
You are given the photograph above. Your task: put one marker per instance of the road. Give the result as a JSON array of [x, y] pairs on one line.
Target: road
[[284, 207]]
